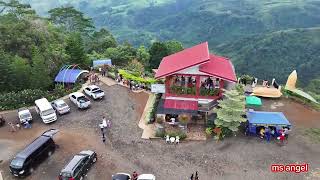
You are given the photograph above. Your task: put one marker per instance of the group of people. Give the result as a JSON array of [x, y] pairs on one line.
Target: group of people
[[103, 71], [268, 132], [194, 176], [14, 127], [210, 84], [182, 81], [104, 125], [93, 78]]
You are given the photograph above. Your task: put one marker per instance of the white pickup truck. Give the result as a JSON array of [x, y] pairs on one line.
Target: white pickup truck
[[94, 92], [80, 100]]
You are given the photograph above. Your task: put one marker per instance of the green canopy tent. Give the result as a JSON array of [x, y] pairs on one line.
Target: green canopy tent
[[253, 101]]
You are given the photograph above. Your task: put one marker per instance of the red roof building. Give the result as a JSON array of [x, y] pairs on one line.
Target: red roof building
[[194, 78]]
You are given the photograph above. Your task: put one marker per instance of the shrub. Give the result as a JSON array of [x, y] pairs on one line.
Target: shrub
[[181, 134], [160, 134], [209, 131], [130, 76]]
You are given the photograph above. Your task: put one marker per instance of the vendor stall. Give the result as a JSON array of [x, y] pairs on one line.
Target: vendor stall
[[260, 119]]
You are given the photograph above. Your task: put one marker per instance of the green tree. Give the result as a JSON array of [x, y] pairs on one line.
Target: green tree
[[6, 73], [157, 51], [135, 66], [16, 8], [173, 46], [314, 86], [21, 71], [143, 56], [71, 20], [75, 50], [232, 107], [101, 40], [121, 55], [40, 73]]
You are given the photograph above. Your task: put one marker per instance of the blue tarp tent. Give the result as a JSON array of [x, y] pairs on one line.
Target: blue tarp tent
[[260, 118], [101, 62], [69, 75]]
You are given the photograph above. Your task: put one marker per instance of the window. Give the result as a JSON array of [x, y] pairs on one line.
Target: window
[[73, 96]]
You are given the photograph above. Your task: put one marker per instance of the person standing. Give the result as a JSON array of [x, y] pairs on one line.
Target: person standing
[[286, 132], [18, 125], [268, 134], [27, 125], [135, 175], [109, 123]]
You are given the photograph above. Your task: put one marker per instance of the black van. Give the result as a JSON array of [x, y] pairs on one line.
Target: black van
[[24, 162]]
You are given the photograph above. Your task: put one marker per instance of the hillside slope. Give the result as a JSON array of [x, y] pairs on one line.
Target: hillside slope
[[192, 21], [277, 54]]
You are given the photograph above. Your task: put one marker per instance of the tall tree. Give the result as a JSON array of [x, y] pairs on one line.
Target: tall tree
[[157, 51], [232, 107], [173, 46], [16, 8], [21, 71], [121, 55], [40, 73], [75, 50], [71, 20], [6, 73], [101, 41], [143, 56]]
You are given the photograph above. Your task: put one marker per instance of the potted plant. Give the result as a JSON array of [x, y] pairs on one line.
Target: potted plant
[[184, 119]]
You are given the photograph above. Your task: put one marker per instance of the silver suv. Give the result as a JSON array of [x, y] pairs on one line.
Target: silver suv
[[79, 165]]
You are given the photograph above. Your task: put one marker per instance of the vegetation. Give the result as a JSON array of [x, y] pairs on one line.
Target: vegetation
[[230, 112], [15, 100], [276, 55]]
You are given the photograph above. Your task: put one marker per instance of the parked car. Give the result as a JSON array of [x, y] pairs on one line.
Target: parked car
[[121, 176], [146, 177], [78, 166], [25, 161], [80, 100], [45, 110], [60, 106], [94, 92], [24, 115]]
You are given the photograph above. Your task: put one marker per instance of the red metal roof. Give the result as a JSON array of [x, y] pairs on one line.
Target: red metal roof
[[180, 104], [220, 67], [183, 59]]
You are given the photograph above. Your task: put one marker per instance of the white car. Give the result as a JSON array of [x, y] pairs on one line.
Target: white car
[[94, 92], [60, 106], [24, 115], [80, 100], [146, 177]]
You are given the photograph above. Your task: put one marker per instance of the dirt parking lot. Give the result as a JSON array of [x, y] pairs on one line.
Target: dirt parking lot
[[234, 158]]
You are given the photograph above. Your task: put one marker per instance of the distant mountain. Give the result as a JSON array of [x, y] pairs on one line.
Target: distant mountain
[[277, 55], [192, 21], [257, 34]]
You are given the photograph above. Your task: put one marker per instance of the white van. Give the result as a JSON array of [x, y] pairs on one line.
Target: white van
[[45, 110]]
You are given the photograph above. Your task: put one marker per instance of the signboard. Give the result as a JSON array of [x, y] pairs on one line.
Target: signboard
[[158, 88]]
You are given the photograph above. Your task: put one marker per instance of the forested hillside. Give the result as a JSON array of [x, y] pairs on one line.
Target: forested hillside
[[277, 54], [192, 21]]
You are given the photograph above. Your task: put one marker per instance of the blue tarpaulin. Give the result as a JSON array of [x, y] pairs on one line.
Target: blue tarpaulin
[[69, 75], [101, 62], [269, 118], [261, 118]]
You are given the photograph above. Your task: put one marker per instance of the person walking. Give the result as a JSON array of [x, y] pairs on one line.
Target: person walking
[[101, 128], [191, 178], [12, 128], [196, 177]]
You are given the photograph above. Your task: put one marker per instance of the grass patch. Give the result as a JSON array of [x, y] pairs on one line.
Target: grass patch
[[314, 134]]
